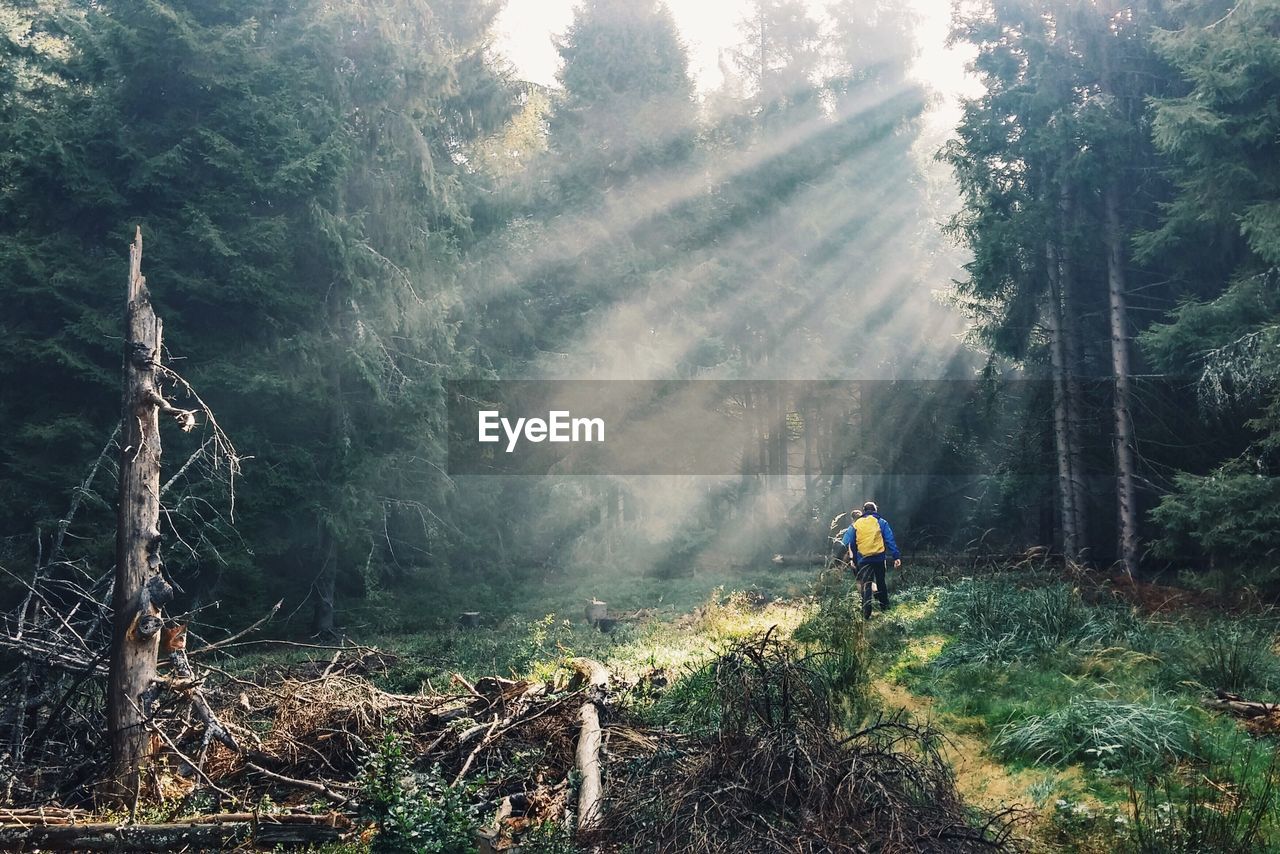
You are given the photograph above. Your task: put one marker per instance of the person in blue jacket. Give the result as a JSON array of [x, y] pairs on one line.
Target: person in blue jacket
[[870, 543]]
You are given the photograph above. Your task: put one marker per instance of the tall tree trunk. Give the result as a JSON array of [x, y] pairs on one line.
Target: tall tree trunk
[[1072, 368], [1061, 432], [1126, 502], [810, 451], [835, 457], [140, 589], [778, 452], [325, 586]]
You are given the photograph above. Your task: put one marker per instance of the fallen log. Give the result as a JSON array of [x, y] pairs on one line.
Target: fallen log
[[203, 833], [591, 790], [42, 816], [587, 757], [1225, 701], [589, 673]]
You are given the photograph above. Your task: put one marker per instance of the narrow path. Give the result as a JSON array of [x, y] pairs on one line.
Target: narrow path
[[981, 780]]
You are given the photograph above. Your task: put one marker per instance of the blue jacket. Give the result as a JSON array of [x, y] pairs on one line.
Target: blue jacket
[[890, 547]]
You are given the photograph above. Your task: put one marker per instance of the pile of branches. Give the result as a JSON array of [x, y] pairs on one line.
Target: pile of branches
[[297, 735], [54, 651], [775, 772], [293, 732], [314, 733]]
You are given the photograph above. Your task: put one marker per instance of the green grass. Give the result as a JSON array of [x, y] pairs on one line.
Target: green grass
[[1101, 732], [1202, 651], [434, 602], [1050, 681], [998, 621]]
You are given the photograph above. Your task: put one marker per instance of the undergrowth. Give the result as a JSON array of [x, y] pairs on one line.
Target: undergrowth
[[996, 622], [1050, 678], [415, 813], [1194, 810]]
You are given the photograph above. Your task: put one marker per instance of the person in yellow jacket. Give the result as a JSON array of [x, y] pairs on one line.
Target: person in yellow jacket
[[870, 543]]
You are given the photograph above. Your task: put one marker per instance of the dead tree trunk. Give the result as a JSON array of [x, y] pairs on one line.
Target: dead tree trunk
[[1126, 502], [140, 588]]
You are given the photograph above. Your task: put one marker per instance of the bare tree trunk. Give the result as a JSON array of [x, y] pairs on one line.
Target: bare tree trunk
[[810, 451], [1126, 505], [779, 464], [1061, 432], [140, 589], [1071, 374], [325, 586]]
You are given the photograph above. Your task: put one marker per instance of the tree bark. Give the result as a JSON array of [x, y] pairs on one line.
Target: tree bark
[[325, 586], [140, 589], [1126, 503], [1071, 373], [809, 414], [1061, 432]]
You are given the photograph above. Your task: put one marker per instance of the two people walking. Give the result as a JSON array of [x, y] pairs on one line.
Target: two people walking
[[869, 544]]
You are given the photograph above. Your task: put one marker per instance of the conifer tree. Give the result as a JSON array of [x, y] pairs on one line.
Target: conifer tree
[[301, 171]]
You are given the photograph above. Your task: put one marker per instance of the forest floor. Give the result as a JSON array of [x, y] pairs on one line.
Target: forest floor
[[1080, 704], [1078, 701]]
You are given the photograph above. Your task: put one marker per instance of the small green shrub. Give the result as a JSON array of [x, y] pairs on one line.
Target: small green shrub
[[1076, 823], [549, 837], [1100, 732], [414, 813]]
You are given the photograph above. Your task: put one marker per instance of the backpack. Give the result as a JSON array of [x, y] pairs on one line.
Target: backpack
[[868, 536]]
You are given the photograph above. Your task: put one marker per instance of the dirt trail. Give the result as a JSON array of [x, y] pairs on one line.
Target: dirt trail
[[981, 780]]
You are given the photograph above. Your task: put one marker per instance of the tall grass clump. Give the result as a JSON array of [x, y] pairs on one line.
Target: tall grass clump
[[780, 773], [1101, 732], [1231, 656], [993, 622], [1227, 808], [836, 638]]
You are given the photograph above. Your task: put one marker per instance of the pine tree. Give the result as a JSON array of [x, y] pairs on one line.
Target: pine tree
[[627, 97], [301, 172], [1055, 164], [1220, 238]]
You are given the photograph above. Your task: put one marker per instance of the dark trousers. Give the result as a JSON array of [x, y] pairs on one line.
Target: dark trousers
[[868, 571]]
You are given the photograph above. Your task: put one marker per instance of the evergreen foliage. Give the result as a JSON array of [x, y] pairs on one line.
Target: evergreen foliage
[[348, 203]]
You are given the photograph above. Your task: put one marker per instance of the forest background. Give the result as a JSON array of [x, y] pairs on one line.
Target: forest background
[[347, 205]]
